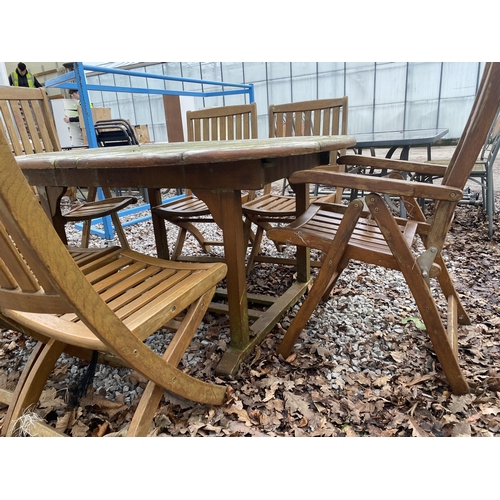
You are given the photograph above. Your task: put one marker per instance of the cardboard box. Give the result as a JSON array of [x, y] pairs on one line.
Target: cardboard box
[[142, 133]]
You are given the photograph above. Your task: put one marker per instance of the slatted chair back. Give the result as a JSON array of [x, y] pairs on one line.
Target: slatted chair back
[[106, 300], [223, 123], [28, 121], [317, 117], [306, 118]]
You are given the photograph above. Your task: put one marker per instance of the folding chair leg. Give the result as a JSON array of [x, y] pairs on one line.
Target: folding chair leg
[[32, 382], [333, 280], [443, 341], [181, 237], [153, 393], [20, 384], [254, 250], [446, 284], [324, 278], [179, 243], [117, 223], [119, 231], [444, 279], [421, 293], [86, 233]]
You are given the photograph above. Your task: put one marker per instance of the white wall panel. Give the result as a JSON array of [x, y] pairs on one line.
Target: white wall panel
[[382, 96]]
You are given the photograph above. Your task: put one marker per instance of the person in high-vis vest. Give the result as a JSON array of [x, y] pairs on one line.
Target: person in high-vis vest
[[21, 77], [75, 95]]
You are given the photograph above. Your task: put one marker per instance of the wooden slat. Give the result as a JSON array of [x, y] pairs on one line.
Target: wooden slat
[[17, 268], [452, 326], [11, 129], [19, 121], [5, 396], [31, 126]]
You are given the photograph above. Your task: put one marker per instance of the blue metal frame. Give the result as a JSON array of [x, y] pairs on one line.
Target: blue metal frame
[[78, 74]]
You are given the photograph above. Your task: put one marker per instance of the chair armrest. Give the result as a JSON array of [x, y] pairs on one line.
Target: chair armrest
[[393, 164], [381, 185]]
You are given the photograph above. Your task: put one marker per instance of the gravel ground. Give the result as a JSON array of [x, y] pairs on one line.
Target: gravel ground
[[361, 349]]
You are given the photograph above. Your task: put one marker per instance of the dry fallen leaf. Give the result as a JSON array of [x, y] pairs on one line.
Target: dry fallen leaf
[[296, 403], [398, 356]]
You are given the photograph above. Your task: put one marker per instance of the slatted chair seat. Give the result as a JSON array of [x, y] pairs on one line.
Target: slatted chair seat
[[96, 304], [346, 233], [318, 225]]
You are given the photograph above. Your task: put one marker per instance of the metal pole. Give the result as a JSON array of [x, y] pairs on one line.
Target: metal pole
[[91, 137]]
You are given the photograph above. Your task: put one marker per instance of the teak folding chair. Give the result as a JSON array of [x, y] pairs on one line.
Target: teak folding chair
[[99, 304], [30, 127], [306, 118], [210, 124], [379, 238]]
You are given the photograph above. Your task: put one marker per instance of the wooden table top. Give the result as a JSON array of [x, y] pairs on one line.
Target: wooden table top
[[180, 164]]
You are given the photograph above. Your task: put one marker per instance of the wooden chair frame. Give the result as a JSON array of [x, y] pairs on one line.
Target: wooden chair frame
[[306, 118], [209, 124], [94, 300], [30, 127], [379, 238]]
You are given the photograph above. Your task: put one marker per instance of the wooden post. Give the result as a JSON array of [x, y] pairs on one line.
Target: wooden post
[[173, 117]]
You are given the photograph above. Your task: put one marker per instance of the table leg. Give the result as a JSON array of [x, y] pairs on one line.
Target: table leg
[[225, 206], [50, 200], [160, 232]]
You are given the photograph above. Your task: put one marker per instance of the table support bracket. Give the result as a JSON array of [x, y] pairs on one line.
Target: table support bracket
[[233, 357]]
